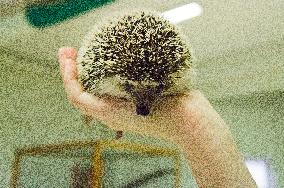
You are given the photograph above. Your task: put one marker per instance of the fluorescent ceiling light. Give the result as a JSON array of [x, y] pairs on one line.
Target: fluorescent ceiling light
[[258, 170], [182, 13]]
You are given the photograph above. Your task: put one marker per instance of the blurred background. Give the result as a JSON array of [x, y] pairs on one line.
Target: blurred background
[[238, 51]]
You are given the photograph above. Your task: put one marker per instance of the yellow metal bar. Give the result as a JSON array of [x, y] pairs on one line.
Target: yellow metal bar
[[16, 171], [140, 148], [97, 163], [97, 166]]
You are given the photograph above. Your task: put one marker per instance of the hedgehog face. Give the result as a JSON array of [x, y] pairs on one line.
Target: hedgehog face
[[133, 58], [144, 96]]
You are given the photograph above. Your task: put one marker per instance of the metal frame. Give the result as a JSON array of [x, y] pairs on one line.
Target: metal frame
[[97, 160]]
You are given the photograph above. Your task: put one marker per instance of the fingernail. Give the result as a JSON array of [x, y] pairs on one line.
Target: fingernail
[[66, 52]]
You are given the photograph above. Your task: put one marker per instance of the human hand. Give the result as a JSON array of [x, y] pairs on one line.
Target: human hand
[[187, 120], [169, 120]]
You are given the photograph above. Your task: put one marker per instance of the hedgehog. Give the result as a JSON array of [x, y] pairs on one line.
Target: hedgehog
[[140, 57]]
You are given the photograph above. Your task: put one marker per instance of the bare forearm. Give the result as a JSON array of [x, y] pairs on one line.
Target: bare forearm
[[213, 154]]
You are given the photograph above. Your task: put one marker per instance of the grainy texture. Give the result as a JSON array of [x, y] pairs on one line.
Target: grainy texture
[[239, 63], [34, 110], [137, 47], [139, 56]]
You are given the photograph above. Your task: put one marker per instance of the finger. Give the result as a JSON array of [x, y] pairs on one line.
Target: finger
[[91, 103], [67, 57], [69, 70], [75, 92], [76, 95], [67, 52], [64, 54]]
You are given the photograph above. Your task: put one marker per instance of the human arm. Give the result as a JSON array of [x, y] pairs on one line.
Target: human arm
[[210, 149], [187, 120]]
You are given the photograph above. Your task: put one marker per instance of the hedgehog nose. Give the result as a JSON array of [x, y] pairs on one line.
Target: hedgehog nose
[[142, 109]]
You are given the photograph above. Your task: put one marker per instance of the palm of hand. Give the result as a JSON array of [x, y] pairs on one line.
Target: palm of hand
[[162, 122], [167, 120]]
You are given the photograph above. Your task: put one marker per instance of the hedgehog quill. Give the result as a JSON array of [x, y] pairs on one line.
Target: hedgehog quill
[[139, 57]]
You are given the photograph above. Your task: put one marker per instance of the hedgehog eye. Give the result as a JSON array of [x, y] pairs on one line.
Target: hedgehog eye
[[130, 89], [160, 87]]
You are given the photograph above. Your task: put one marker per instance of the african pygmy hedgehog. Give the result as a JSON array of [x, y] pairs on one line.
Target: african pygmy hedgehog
[[139, 57]]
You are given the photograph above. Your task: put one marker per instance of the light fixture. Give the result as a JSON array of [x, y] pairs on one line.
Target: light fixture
[[258, 170], [183, 13]]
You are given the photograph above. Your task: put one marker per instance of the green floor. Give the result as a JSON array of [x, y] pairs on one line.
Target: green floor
[[245, 85], [34, 110]]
